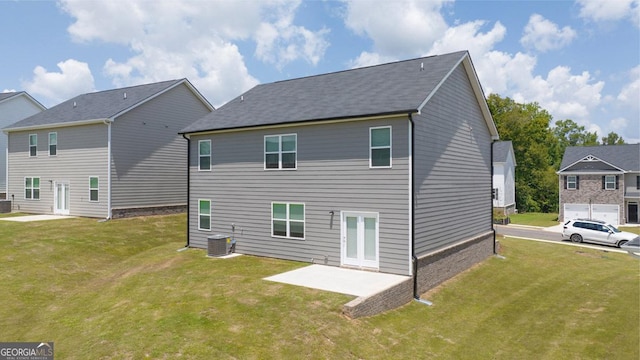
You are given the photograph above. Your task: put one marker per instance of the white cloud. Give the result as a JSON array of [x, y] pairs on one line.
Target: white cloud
[[368, 59], [73, 79], [601, 11], [629, 96], [543, 35], [403, 28], [197, 40]]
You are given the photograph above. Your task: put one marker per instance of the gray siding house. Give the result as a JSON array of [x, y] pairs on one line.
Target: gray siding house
[[600, 182], [14, 106], [105, 154], [504, 177], [385, 168]]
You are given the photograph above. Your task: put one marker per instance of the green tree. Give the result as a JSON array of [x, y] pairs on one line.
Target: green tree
[[612, 139], [536, 149], [568, 133]]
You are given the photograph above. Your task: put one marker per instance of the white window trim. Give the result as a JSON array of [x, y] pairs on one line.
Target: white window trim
[[607, 182], [32, 188], [97, 189], [36, 145], [390, 147], [56, 144], [574, 182], [280, 152], [288, 220], [200, 214], [200, 155]]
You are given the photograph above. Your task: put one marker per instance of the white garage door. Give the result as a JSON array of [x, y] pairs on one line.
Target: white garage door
[[605, 212], [576, 211]]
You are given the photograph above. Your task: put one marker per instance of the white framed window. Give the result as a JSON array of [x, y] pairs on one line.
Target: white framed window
[[287, 220], [572, 182], [53, 143], [32, 188], [204, 155], [204, 214], [610, 182], [380, 147], [94, 189], [280, 151], [33, 144]]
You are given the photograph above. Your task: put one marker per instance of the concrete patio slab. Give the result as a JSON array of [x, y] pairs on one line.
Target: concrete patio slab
[[28, 218], [340, 280]]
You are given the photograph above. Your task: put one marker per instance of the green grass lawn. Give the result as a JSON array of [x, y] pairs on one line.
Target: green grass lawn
[[120, 290], [535, 219]]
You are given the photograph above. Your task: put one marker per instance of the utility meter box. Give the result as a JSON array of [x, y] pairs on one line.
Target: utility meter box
[[218, 245]]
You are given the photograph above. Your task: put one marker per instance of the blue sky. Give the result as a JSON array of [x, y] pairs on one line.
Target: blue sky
[[579, 60]]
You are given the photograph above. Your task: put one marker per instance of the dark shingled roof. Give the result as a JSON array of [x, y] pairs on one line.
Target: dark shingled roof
[[501, 150], [6, 95], [393, 88], [626, 157], [97, 105]]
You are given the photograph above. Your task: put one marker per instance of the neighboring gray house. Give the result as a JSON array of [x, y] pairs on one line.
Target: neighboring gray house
[[105, 154], [600, 182], [14, 106], [504, 177], [368, 168]]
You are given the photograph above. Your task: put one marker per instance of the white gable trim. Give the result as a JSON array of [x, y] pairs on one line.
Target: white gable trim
[[591, 158]]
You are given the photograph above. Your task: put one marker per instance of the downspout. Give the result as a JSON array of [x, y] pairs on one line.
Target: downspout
[[108, 122], [188, 186], [491, 192], [414, 259]]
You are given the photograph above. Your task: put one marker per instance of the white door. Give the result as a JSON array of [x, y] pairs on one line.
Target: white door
[[576, 211], [360, 239], [61, 199], [605, 212]]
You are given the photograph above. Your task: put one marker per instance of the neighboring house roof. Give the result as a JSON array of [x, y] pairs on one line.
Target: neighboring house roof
[[501, 150], [395, 88], [99, 106], [11, 95], [624, 157]]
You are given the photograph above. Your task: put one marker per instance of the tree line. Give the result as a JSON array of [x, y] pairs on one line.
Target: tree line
[[538, 147]]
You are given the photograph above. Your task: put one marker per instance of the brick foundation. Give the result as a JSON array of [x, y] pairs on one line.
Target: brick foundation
[[433, 269], [145, 211]]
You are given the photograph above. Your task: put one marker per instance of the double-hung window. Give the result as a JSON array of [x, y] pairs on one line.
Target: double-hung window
[[204, 214], [287, 220], [93, 188], [380, 147], [32, 188], [204, 155], [572, 182], [53, 143], [33, 144], [610, 182], [280, 151]]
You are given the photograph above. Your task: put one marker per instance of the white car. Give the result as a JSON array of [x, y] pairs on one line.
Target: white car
[[595, 231]]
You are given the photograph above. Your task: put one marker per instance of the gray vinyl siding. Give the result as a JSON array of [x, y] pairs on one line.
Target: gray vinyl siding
[[452, 168], [12, 110], [332, 175], [148, 156], [81, 153]]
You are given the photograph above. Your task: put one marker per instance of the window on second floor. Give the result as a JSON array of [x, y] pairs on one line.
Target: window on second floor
[[204, 155], [53, 144], [33, 144], [571, 182], [280, 151], [32, 188], [380, 147], [609, 182]]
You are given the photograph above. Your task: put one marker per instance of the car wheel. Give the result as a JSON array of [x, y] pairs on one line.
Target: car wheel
[[576, 238], [622, 243]]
